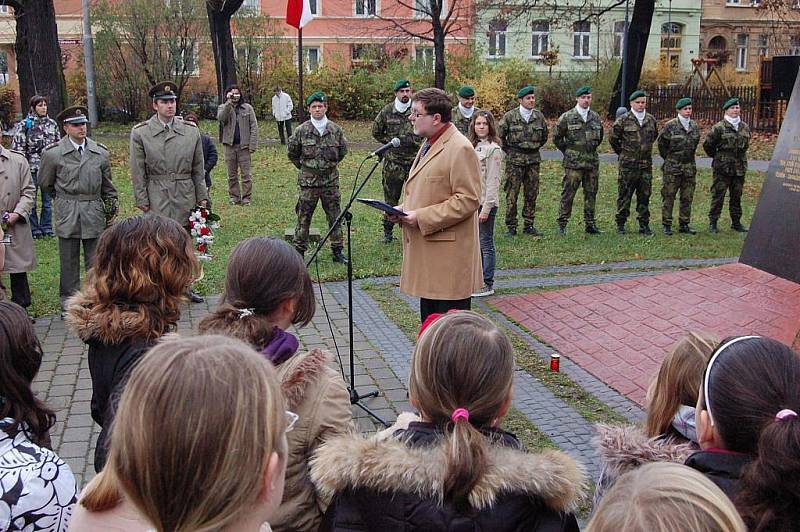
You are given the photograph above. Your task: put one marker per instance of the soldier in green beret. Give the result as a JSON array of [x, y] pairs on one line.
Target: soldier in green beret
[[578, 133], [316, 148], [677, 144], [632, 138], [522, 132], [727, 143], [76, 171], [463, 112], [392, 121]]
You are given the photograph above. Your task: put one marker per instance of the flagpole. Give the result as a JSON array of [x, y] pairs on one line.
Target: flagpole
[[302, 100]]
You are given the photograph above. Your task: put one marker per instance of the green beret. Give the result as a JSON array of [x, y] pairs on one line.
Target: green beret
[[466, 91], [683, 102], [524, 91], [637, 94], [402, 84], [730, 103], [318, 96], [586, 89]]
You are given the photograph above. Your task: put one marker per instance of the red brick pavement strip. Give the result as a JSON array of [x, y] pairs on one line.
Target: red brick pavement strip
[[621, 331]]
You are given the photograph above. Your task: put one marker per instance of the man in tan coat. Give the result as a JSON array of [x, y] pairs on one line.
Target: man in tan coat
[[240, 139], [16, 201], [441, 253]]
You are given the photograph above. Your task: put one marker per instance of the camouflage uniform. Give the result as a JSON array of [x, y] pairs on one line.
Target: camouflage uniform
[[578, 141], [317, 157], [31, 136], [397, 162], [677, 146], [728, 147], [634, 145], [461, 121], [521, 142]]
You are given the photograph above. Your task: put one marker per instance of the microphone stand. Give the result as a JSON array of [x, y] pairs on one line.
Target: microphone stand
[[355, 396]]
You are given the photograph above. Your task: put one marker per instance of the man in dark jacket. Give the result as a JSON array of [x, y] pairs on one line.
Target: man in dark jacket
[[209, 153]]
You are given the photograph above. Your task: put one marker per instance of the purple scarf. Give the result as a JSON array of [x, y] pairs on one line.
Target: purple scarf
[[282, 346]]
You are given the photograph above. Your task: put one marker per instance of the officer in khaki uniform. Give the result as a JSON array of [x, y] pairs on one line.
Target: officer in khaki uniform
[[465, 110], [76, 171], [166, 157]]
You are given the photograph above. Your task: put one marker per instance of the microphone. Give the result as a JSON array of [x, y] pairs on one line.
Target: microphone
[[394, 143]]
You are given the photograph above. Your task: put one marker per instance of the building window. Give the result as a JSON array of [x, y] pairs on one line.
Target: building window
[[540, 38], [249, 58], [423, 8], [671, 35], [794, 45], [580, 39], [365, 53], [3, 68], [424, 56], [763, 45], [314, 6], [249, 7], [497, 38], [743, 3], [366, 8], [619, 38], [5, 10], [741, 51], [311, 58], [186, 61]]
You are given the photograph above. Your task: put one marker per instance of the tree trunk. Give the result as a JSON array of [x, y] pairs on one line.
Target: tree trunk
[[219, 23], [39, 54], [638, 34], [439, 64]]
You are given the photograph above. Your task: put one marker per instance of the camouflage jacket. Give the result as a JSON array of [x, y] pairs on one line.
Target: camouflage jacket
[[389, 124], [728, 147], [578, 140], [317, 156], [632, 142], [461, 121], [521, 140], [677, 146], [33, 135]]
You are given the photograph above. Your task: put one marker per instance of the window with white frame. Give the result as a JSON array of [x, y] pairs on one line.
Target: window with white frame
[[497, 38], [249, 57], [424, 55], [671, 35], [186, 61], [741, 51], [619, 38], [366, 8], [423, 8], [3, 68], [365, 53], [581, 37], [312, 58], [5, 10], [540, 37], [763, 45], [794, 45], [314, 5], [250, 7]]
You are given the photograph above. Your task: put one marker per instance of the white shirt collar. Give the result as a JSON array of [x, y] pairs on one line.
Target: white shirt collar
[[465, 112], [76, 146], [734, 121], [171, 123], [401, 107], [583, 112], [639, 116], [526, 113], [320, 124], [685, 122]]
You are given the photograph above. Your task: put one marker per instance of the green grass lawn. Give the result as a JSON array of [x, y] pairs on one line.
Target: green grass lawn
[[275, 194]]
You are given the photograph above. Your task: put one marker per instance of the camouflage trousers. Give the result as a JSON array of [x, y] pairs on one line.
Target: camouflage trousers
[[394, 177], [719, 186], [574, 178], [640, 181], [306, 204], [673, 183], [526, 177]]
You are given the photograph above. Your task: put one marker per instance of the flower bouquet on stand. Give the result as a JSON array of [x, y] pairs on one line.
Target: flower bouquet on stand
[[202, 223]]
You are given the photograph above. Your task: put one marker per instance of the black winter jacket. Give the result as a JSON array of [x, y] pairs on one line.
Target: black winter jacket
[[723, 468]]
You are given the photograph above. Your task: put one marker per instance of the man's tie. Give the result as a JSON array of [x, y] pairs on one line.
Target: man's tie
[[80, 152], [425, 148]]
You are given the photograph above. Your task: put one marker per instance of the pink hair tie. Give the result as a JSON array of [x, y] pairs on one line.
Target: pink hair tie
[[783, 415], [462, 413]]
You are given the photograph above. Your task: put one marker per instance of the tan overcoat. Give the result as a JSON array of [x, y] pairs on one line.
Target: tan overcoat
[[16, 195], [441, 257]]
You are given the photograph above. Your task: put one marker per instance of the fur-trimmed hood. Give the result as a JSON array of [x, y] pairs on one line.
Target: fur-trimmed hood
[[299, 372], [93, 323], [390, 465]]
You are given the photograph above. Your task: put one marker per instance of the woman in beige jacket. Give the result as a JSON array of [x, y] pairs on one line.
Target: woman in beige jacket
[[267, 290]]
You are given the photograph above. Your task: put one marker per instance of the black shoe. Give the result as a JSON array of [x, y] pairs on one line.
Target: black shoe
[[593, 230], [644, 229], [512, 231], [668, 230], [338, 257], [194, 297], [712, 227], [562, 230], [531, 230], [687, 230], [738, 227], [387, 237], [620, 229]]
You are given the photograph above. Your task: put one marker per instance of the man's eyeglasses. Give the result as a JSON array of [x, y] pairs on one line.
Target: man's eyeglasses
[[415, 114]]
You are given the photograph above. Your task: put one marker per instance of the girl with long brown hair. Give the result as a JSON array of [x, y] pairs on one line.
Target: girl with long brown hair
[[453, 465], [131, 297]]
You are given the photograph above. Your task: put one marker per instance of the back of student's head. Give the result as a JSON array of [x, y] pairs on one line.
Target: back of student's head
[[751, 398], [20, 359], [461, 378], [678, 380], [197, 427], [263, 273], [665, 497]]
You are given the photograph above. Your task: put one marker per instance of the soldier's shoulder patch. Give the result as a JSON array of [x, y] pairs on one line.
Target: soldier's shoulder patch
[[51, 145], [190, 124], [140, 124], [102, 145]]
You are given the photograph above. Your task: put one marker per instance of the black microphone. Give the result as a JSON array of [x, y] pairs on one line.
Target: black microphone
[[394, 143]]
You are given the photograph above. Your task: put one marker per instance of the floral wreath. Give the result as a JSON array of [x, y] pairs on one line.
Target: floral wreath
[[202, 222]]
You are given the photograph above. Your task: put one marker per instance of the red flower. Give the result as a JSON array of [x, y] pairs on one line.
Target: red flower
[[204, 213], [192, 224], [205, 231], [201, 248]]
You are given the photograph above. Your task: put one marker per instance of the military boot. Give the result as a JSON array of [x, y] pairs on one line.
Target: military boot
[[686, 229], [644, 229], [712, 227], [667, 230], [338, 257], [531, 230], [387, 236], [512, 231], [562, 229], [620, 229], [738, 227], [593, 230]]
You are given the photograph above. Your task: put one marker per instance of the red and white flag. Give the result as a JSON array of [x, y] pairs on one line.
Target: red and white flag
[[298, 13]]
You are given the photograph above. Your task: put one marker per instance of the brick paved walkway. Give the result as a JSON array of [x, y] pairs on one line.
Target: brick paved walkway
[[620, 331]]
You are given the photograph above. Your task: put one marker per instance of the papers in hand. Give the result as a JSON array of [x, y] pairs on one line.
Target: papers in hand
[[382, 206]]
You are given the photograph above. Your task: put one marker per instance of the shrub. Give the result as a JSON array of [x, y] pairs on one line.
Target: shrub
[[8, 99]]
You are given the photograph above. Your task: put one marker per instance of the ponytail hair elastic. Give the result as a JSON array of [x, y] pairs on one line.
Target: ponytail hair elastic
[[784, 414], [245, 312], [462, 413]]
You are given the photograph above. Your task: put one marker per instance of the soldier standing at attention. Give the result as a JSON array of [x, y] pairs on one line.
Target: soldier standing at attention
[[462, 113], [522, 132], [578, 133], [632, 138], [316, 148], [76, 172], [166, 157], [392, 121], [677, 144], [727, 143]]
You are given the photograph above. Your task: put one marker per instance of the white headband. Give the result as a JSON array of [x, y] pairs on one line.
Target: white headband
[[708, 371]]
